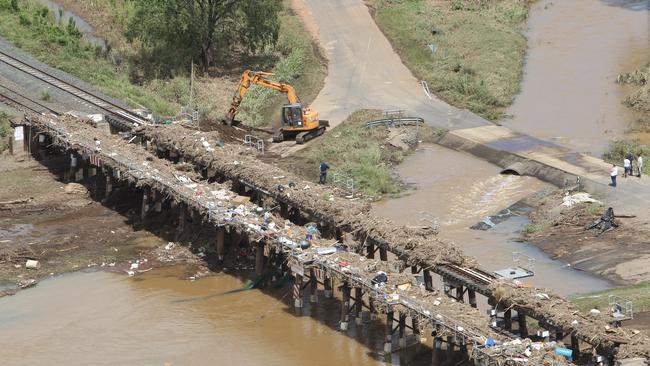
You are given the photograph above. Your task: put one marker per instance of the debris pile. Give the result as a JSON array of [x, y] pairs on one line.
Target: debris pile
[[415, 246], [563, 315], [605, 223]]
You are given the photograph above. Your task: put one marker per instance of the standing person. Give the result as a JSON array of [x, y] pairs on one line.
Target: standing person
[[639, 164], [627, 166], [323, 172], [613, 174]]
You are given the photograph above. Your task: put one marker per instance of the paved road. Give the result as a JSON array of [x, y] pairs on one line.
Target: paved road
[[365, 72]]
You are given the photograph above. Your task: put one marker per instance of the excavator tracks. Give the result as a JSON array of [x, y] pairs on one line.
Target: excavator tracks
[[303, 137]]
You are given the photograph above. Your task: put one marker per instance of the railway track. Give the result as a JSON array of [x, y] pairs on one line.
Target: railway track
[[23, 103], [88, 97]]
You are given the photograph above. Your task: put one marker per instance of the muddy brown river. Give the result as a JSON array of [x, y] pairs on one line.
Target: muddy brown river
[[102, 318], [576, 49], [456, 190]]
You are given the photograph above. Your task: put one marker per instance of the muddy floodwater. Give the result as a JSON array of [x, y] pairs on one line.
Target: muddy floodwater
[[158, 318], [576, 49], [457, 191]]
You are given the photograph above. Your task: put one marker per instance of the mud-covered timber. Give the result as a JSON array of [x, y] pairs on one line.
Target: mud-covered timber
[[159, 178], [417, 247]]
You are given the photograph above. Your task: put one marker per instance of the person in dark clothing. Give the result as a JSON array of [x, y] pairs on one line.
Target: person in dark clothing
[[323, 172]]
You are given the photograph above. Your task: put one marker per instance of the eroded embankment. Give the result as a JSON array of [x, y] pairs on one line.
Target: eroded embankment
[[414, 246]]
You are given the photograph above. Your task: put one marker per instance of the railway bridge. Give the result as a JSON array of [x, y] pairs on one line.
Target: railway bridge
[[429, 284]]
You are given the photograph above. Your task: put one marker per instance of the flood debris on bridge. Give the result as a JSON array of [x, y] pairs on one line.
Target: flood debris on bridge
[[561, 315], [414, 246], [316, 260]]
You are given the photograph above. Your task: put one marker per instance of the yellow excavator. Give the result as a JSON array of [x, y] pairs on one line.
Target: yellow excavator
[[296, 121]]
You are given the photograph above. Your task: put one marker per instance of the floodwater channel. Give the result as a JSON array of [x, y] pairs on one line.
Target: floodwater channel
[[576, 49], [456, 190]]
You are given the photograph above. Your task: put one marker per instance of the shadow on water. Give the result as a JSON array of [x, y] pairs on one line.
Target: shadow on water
[[636, 5]]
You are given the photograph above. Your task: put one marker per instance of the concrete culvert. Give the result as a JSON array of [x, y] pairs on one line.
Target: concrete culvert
[[517, 168]]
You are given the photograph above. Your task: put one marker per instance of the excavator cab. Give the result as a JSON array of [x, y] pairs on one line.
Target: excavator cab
[[292, 116]]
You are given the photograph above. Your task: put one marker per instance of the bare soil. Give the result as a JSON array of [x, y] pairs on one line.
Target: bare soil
[[621, 255], [66, 231]]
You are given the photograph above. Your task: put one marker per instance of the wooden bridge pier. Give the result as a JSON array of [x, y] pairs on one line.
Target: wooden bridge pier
[[345, 306]]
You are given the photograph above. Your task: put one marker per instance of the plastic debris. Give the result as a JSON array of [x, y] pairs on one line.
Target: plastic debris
[[32, 264], [570, 200]]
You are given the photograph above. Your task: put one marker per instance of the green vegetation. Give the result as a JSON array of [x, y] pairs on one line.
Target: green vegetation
[[530, 229], [33, 28], [5, 129], [479, 52], [639, 100], [179, 31], [45, 96], [300, 65], [594, 208], [156, 75], [355, 151], [639, 295], [618, 149]]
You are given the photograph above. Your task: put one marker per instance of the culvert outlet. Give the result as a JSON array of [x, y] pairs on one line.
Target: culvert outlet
[[517, 168]]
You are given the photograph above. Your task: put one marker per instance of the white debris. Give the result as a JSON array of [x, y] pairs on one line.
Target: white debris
[[570, 200], [32, 264]]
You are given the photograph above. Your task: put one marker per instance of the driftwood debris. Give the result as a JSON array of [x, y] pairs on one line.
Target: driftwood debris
[[605, 223]]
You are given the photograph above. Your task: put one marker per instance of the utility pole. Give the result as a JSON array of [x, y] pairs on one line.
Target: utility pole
[[191, 82]]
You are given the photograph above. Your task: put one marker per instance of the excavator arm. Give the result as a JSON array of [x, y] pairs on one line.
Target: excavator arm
[[258, 78]]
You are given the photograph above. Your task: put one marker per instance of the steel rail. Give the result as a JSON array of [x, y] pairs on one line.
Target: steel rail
[[86, 96]]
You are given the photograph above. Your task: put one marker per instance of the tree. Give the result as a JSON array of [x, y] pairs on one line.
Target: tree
[[203, 29]]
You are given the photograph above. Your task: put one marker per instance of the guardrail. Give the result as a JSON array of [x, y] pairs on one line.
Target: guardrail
[[395, 122]]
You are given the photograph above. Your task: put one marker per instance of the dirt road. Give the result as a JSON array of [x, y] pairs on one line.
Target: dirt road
[[365, 72]]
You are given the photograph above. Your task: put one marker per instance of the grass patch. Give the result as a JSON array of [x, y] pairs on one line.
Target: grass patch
[[639, 295], [355, 151], [594, 208], [479, 51], [618, 149], [45, 96], [530, 229], [5, 129]]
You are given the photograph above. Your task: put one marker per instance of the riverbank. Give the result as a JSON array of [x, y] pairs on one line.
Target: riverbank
[[61, 227], [361, 158], [471, 54], [620, 255]]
